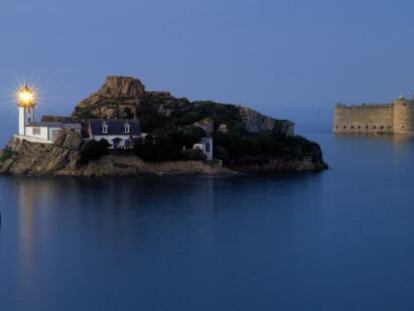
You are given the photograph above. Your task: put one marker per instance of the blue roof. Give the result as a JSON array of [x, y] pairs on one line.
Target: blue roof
[[115, 127], [45, 124]]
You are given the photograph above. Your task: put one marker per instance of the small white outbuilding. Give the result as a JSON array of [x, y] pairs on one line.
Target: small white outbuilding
[[206, 146]]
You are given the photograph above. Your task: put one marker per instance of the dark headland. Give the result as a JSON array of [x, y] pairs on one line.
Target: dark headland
[[243, 139]]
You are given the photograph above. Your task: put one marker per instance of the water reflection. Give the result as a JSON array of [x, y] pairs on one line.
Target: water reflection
[[109, 203], [396, 139], [197, 243]]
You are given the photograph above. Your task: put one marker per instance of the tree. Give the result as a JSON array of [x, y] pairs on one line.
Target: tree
[[93, 150]]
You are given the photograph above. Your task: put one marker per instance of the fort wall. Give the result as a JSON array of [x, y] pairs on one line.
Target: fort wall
[[403, 116], [368, 119]]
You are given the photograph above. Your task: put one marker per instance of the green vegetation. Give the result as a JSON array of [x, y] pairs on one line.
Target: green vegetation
[[5, 154], [93, 150], [194, 155], [168, 135], [261, 147], [84, 114], [169, 123], [219, 113], [169, 144]]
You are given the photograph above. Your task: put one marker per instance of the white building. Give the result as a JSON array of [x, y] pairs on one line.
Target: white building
[[206, 146], [118, 133], [38, 132], [47, 132]]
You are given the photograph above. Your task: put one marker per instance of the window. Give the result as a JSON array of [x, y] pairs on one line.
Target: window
[[55, 133], [29, 120], [36, 131], [352, 127], [208, 147], [126, 128], [374, 127], [382, 127], [367, 127], [104, 128], [337, 127], [359, 126], [344, 126], [402, 126]]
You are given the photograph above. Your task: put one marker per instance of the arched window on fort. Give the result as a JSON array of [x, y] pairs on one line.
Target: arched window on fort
[[367, 127], [352, 127], [344, 126], [374, 127], [382, 127], [359, 127]]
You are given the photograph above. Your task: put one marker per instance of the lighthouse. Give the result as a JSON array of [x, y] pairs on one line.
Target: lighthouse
[[26, 103]]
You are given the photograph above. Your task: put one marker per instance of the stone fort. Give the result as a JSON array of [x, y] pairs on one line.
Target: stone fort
[[396, 117]]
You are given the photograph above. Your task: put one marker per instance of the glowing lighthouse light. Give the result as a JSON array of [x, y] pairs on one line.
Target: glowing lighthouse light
[[26, 96], [26, 100]]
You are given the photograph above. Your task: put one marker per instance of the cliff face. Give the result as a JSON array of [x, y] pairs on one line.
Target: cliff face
[[25, 158], [256, 122]]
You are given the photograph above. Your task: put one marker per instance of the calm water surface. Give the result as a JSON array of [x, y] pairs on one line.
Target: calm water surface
[[339, 240]]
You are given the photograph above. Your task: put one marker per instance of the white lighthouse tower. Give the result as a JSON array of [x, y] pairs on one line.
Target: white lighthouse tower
[[26, 104]]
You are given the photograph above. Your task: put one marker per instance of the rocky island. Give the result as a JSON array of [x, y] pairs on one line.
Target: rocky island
[[123, 129]]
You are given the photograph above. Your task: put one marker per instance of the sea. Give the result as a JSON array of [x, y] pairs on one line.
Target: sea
[[342, 239]]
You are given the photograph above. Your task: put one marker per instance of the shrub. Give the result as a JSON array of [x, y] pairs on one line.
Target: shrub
[[189, 118], [93, 150], [167, 143], [221, 153], [194, 155], [5, 154]]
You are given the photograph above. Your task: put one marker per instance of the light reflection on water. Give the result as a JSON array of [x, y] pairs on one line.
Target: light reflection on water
[[339, 240]]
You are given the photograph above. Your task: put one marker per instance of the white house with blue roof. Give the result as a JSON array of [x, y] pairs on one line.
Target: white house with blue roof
[[120, 134]]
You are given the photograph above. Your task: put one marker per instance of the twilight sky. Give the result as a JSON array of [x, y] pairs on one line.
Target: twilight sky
[[289, 58]]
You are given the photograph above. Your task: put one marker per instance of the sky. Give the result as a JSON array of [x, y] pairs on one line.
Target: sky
[[292, 59]]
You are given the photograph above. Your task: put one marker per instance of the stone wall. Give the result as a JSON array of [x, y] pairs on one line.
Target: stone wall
[[369, 119]]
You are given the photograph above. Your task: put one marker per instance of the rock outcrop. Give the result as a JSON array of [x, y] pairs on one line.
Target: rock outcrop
[[206, 124], [245, 140], [39, 159], [256, 122], [125, 97], [63, 159], [118, 97], [121, 87]]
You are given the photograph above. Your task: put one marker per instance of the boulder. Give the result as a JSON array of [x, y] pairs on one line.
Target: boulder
[[116, 86], [117, 98], [223, 128], [206, 124]]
